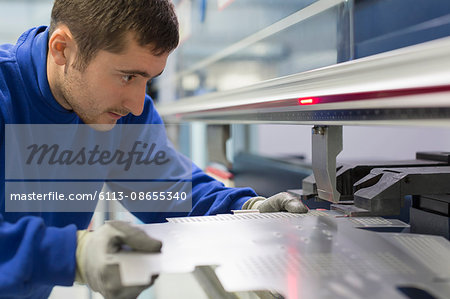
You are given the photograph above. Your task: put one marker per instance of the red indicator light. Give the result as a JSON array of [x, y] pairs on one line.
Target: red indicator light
[[307, 101]]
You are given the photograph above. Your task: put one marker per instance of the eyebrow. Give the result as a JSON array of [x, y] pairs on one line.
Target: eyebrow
[[137, 72]]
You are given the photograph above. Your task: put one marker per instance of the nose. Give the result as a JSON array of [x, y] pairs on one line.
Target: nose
[[134, 101]]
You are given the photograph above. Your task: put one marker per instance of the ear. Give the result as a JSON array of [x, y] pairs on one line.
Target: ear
[[61, 45]]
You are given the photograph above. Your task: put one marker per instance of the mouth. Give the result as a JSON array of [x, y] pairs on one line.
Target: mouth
[[115, 115]]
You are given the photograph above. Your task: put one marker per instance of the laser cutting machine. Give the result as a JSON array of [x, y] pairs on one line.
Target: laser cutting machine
[[375, 229]]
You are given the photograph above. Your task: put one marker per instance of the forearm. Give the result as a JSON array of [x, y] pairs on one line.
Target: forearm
[[33, 255], [211, 197]]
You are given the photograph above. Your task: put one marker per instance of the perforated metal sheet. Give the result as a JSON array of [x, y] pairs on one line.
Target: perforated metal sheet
[[433, 251], [378, 223], [312, 256], [361, 222], [247, 216]]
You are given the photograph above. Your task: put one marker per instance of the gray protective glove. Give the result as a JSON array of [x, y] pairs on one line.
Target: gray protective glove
[[280, 202], [94, 250]]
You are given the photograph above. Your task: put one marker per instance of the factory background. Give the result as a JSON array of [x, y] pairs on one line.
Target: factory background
[[229, 44]]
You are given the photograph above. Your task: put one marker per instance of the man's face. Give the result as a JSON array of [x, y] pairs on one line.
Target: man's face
[[112, 85]]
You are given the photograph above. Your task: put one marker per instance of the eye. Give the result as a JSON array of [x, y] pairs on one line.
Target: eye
[[128, 78]]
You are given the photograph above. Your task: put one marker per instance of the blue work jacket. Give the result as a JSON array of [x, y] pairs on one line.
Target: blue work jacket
[[37, 250]]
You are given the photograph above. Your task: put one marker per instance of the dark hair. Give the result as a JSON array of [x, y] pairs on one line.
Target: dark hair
[[104, 24]]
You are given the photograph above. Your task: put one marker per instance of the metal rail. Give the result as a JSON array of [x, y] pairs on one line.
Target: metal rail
[[409, 86]]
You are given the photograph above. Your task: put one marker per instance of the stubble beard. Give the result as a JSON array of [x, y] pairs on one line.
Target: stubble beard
[[73, 89]]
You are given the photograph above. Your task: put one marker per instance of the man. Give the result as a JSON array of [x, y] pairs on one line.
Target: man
[[91, 66]]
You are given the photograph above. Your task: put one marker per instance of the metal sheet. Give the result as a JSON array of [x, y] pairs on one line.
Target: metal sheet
[[303, 256]]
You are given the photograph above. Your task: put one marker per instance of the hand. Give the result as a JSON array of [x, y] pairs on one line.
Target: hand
[[277, 203], [95, 247]]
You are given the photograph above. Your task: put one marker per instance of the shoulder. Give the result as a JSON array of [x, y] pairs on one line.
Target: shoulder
[[7, 53], [8, 63], [9, 77]]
